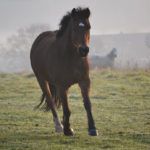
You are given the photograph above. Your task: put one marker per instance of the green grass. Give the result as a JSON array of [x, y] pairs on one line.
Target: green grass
[[121, 108]]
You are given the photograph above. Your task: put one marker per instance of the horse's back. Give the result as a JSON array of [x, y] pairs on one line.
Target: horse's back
[[39, 50], [44, 38]]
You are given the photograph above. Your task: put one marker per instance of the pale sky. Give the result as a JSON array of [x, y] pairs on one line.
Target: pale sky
[[108, 16]]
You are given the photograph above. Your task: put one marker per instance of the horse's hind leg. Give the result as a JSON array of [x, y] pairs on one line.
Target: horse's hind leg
[[66, 112], [50, 104]]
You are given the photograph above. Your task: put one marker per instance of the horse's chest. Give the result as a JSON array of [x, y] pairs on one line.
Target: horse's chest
[[70, 72], [77, 72]]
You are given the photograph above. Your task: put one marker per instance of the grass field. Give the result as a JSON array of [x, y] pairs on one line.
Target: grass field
[[121, 108]]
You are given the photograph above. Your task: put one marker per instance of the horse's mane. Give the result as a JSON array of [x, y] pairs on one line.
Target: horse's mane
[[63, 24], [81, 12]]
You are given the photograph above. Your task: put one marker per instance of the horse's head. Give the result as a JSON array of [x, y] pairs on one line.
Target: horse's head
[[113, 54], [80, 27]]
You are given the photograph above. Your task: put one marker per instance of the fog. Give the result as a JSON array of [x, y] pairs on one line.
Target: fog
[[120, 24], [131, 50]]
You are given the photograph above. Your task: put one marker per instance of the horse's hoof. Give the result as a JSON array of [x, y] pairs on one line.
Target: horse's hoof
[[59, 129], [58, 126], [93, 132], [69, 132]]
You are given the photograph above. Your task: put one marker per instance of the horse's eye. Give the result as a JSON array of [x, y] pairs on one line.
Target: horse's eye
[[81, 24]]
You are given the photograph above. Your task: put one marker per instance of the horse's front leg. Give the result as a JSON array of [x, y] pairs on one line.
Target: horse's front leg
[[66, 112], [85, 87]]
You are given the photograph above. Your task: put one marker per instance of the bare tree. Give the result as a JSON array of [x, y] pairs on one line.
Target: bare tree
[[24, 37], [16, 51]]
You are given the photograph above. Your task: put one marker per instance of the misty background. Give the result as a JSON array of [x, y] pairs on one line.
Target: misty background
[[120, 24]]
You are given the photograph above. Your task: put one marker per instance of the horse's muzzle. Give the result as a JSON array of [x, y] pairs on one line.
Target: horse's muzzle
[[83, 51]]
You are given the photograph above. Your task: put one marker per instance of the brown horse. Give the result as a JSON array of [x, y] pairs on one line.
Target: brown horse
[[59, 60]]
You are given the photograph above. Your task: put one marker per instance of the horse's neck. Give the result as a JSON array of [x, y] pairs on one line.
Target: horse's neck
[[67, 47]]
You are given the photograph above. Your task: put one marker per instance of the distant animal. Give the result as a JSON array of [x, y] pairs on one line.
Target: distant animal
[[59, 60], [104, 61]]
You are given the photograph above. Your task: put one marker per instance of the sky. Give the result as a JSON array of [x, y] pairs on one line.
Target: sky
[[108, 16]]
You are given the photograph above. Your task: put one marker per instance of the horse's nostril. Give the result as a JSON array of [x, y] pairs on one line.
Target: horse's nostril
[[80, 49], [87, 49], [83, 51]]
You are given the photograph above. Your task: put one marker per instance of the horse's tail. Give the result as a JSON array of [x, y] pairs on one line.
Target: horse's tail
[[41, 102], [55, 98]]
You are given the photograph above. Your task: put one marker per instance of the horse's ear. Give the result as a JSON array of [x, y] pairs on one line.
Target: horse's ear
[[74, 13], [87, 13]]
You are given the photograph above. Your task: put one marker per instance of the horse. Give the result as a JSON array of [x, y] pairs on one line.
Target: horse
[[59, 60], [106, 61]]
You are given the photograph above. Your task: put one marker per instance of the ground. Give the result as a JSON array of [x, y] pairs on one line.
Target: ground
[[121, 108]]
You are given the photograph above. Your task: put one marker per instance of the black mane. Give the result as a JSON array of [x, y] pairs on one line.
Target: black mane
[[63, 24], [79, 12]]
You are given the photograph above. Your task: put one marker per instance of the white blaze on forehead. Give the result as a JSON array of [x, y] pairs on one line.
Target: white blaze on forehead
[[81, 24]]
